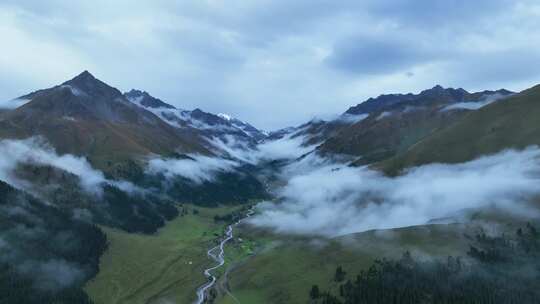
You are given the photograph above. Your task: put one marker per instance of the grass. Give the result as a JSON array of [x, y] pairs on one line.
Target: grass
[[162, 268], [285, 267], [509, 123], [262, 267]]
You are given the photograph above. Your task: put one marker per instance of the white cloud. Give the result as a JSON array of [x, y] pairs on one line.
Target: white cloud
[[331, 199], [35, 150], [288, 147], [476, 104], [266, 61], [197, 168]]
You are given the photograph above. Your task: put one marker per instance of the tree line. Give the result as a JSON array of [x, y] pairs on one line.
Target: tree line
[[495, 269]]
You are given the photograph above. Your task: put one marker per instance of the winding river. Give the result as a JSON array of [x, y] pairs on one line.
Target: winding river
[[217, 254]]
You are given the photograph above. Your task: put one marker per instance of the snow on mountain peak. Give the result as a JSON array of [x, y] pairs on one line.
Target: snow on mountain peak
[[225, 116]]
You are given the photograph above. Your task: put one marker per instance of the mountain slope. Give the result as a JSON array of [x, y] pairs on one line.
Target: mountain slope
[[509, 123], [206, 124], [390, 124], [85, 116]]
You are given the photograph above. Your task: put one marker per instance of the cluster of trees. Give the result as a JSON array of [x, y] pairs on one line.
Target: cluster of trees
[[227, 188], [45, 254], [109, 205], [501, 269], [232, 217]]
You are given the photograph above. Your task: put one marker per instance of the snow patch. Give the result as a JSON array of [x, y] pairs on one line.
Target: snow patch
[[225, 116], [74, 90]]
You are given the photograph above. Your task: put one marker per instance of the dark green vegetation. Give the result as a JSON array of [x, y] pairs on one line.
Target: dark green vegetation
[[227, 188], [509, 123], [497, 269], [45, 254], [133, 212]]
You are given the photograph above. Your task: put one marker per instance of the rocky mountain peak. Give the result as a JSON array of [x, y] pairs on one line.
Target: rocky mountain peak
[[87, 84], [144, 99]]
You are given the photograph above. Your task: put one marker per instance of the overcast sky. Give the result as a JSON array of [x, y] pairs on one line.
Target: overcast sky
[[272, 63]]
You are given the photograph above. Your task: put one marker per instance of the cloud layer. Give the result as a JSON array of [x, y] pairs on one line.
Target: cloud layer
[[36, 151], [197, 168], [330, 199], [272, 63]]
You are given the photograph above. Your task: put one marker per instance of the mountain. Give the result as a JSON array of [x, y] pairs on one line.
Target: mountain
[[209, 125], [435, 95], [118, 134], [389, 124], [509, 123], [85, 116]]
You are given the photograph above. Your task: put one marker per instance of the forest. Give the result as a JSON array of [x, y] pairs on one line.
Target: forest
[[495, 269], [45, 254]]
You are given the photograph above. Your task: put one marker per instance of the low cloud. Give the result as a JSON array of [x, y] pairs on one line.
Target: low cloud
[[289, 147], [197, 168], [475, 105], [37, 151], [53, 275], [351, 118], [328, 199]]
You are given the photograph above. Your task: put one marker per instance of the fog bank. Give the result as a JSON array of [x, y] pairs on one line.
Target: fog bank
[[323, 198]]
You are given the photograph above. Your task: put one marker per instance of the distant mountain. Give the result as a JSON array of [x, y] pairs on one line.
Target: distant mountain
[[389, 124], [434, 96], [209, 125], [509, 123], [85, 116]]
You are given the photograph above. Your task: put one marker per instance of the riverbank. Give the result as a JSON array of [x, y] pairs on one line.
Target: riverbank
[[217, 253], [166, 266]]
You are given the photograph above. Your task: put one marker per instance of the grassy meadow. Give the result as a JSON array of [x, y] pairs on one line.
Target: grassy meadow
[[162, 268], [284, 268]]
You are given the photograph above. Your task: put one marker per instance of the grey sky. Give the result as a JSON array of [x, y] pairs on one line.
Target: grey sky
[[272, 63]]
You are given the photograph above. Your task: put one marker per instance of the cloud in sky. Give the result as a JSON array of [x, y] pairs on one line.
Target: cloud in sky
[[272, 63], [328, 199]]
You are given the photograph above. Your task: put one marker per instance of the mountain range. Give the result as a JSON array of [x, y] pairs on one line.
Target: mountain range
[[203, 160], [85, 116]]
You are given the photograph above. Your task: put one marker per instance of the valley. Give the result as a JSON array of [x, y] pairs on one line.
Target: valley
[[394, 185], [167, 266], [270, 152]]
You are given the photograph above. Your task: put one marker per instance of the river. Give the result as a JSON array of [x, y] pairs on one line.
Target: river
[[217, 254]]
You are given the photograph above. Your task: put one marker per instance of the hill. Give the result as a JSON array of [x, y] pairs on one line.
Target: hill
[[509, 123], [389, 124]]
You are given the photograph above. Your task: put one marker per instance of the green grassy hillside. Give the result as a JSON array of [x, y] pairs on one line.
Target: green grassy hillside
[[510, 123], [166, 266], [377, 138], [283, 268]]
